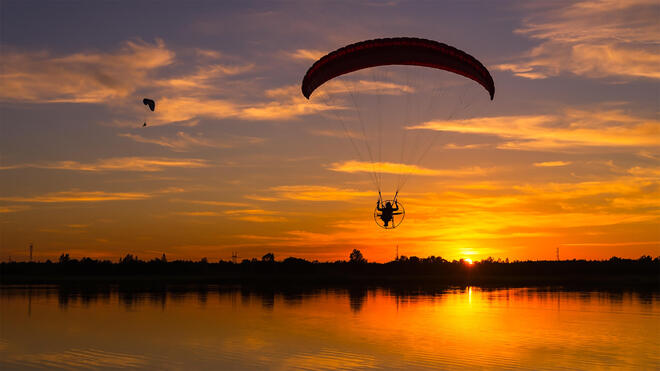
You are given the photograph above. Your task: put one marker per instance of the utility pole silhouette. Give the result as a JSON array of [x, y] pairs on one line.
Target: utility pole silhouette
[[31, 248], [397, 252], [557, 254], [234, 256]]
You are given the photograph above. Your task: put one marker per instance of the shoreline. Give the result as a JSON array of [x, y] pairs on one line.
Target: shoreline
[[292, 271]]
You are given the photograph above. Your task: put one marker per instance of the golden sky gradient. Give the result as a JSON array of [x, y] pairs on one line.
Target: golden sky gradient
[[566, 156]]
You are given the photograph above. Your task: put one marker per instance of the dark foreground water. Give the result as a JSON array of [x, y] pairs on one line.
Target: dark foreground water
[[224, 328]]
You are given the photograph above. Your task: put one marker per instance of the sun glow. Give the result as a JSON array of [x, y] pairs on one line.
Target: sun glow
[[468, 261]]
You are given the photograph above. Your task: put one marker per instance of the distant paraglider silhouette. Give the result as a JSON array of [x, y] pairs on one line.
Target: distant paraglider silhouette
[[152, 106], [150, 103]]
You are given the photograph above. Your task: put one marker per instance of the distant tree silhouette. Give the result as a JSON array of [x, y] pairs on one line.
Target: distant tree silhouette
[[292, 260], [641, 271], [129, 258], [64, 258], [268, 258], [163, 259], [356, 257]]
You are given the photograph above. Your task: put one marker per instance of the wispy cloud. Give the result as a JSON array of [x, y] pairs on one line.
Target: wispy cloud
[[261, 218], [653, 172], [283, 103], [334, 88], [117, 164], [78, 196], [204, 76], [13, 208], [78, 226], [183, 142], [208, 53], [212, 203], [199, 213], [649, 155], [287, 102], [317, 193], [310, 55], [176, 109], [274, 106], [336, 133], [592, 38], [623, 194], [570, 128], [617, 244], [111, 78], [88, 77], [552, 163], [255, 215], [250, 212], [353, 166], [466, 146], [261, 198]]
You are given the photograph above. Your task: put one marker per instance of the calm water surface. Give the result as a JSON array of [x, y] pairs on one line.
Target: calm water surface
[[224, 329]]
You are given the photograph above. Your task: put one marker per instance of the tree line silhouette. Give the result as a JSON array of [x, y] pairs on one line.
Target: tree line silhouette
[[642, 271]]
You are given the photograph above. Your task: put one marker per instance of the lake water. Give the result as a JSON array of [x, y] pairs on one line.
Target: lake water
[[224, 328]]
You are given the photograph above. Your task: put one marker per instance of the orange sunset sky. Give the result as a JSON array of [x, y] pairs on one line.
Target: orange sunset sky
[[566, 156]]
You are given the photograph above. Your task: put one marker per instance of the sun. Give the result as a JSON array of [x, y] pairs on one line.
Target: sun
[[468, 261]]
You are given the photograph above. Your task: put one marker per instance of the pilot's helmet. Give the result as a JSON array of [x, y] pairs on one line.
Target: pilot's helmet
[[388, 204]]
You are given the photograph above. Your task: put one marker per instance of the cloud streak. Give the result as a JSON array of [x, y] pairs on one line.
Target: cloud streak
[[276, 105], [6, 209], [198, 213], [570, 128], [183, 142], [396, 168], [111, 78], [318, 193], [79, 196], [309, 55], [118, 164], [596, 39], [86, 77], [255, 215], [552, 163]]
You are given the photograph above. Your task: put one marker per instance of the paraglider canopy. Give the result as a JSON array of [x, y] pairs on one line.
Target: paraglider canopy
[[150, 103], [393, 51]]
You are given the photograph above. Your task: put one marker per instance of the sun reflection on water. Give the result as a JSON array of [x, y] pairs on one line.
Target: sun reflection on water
[[330, 328]]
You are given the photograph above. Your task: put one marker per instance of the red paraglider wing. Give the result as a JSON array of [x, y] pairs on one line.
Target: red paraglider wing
[[400, 50]]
